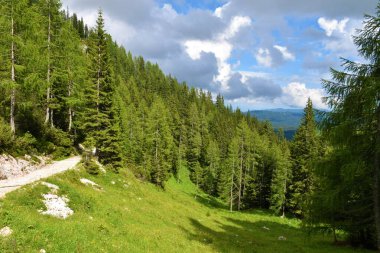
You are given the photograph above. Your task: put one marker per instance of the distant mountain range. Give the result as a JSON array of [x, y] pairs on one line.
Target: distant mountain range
[[287, 119]]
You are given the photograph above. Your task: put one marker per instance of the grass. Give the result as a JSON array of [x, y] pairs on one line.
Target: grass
[[133, 216]]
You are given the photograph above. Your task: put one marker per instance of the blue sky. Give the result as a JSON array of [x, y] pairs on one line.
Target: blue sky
[[257, 54]]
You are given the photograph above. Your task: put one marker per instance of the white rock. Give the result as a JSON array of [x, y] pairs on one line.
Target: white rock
[[101, 167], [11, 167], [42, 251], [6, 231], [56, 206], [52, 187], [282, 238], [88, 182], [113, 182]]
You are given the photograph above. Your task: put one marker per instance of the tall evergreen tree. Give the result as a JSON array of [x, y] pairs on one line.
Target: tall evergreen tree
[[159, 143], [194, 143], [352, 175], [10, 44], [100, 116], [281, 176], [304, 150]]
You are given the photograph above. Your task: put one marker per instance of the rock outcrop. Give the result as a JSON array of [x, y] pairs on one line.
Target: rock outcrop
[[11, 167]]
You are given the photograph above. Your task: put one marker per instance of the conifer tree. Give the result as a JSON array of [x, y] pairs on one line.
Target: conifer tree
[[159, 142], [350, 174], [281, 176], [304, 150], [194, 144], [213, 168], [10, 44], [51, 23], [100, 116], [232, 179], [68, 77]]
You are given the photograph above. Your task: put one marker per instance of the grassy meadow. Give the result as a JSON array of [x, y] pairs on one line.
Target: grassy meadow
[[131, 216]]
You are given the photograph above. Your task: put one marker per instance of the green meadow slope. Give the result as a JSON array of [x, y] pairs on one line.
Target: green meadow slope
[[131, 216]]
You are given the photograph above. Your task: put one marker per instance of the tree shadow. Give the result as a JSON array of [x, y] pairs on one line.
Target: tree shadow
[[236, 235], [208, 201]]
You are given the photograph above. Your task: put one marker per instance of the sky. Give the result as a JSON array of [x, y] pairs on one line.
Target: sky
[[257, 54]]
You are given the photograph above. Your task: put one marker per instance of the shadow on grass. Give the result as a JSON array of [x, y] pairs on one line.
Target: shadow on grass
[[208, 201], [235, 235]]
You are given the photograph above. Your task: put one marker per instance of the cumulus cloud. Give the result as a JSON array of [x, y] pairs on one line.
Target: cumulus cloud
[[252, 86], [263, 57], [285, 53], [331, 25], [216, 49], [220, 47], [296, 94]]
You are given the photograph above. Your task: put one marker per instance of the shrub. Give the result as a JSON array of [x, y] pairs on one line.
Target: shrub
[[25, 144], [58, 137], [91, 167]]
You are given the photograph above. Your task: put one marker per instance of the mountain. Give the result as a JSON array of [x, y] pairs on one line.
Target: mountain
[[287, 119], [280, 118]]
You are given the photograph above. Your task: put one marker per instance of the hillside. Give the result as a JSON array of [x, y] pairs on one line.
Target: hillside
[[127, 215], [287, 119], [280, 118]]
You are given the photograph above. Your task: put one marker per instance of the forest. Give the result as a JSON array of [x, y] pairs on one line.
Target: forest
[[63, 83]]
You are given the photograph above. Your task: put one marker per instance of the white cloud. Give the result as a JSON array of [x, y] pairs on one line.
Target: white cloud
[[219, 11], [167, 12], [236, 24], [341, 43], [263, 57], [332, 25], [221, 47], [222, 51], [250, 74], [285, 53], [197, 46], [295, 94]]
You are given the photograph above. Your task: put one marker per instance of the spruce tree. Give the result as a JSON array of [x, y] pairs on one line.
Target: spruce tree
[[10, 45], [281, 176], [194, 144], [352, 175], [304, 150], [100, 117], [159, 143], [213, 168]]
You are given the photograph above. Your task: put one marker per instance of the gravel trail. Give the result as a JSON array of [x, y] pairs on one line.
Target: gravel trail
[[47, 171]]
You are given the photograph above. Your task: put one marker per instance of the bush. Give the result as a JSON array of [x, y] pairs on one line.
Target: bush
[[25, 144], [55, 142], [91, 167], [58, 137]]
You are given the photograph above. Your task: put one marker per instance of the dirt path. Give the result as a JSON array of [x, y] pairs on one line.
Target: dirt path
[[47, 171]]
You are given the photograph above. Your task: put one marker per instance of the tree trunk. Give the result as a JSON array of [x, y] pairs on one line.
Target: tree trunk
[[48, 90], [376, 181], [232, 187], [98, 81], [284, 202], [70, 109], [240, 176], [13, 78], [179, 157]]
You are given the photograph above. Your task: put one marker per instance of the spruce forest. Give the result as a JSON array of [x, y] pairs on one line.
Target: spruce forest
[[65, 85]]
